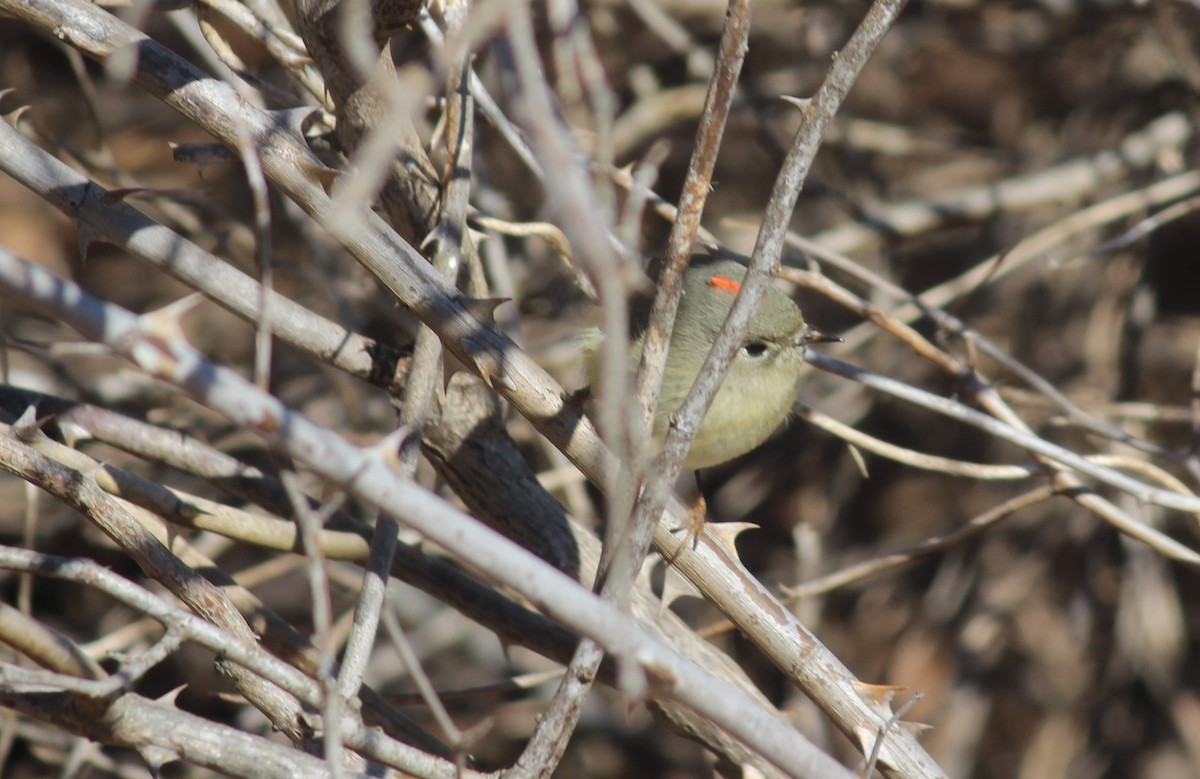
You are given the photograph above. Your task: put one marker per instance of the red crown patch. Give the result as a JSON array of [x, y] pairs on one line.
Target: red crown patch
[[725, 283]]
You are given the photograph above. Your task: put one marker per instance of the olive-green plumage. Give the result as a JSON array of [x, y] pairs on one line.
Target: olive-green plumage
[[758, 391]]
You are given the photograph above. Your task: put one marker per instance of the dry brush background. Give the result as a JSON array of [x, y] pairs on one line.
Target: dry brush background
[[1025, 168]]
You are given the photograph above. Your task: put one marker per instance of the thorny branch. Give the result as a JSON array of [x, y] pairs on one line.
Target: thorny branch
[[433, 187]]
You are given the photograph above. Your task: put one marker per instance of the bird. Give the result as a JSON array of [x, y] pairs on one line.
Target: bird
[[761, 385]]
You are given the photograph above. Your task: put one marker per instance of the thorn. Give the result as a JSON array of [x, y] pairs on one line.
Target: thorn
[[866, 736], [877, 692], [857, 456], [167, 322], [14, 116], [451, 369], [506, 647], [486, 364], [73, 433], [487, 380], [295, 119], [313, 721], [321, 174], [114, 196], [171, 696], [27, 428], [727, 532], [577, 400], [477, 236], [86, 237], [156, 757], [916, 728], [483, 309], [388, 447], [675, 586], [802, 103], [878, 696]]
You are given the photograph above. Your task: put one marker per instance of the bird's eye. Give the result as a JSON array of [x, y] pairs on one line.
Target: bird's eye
[[754, 349]]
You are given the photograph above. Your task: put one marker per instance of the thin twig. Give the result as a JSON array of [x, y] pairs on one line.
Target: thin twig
[[310, 522]]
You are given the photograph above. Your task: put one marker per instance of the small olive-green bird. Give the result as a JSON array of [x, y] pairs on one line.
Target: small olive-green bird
[[761, 384]]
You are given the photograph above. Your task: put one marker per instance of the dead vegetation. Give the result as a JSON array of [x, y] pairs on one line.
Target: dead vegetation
[[986, 497]]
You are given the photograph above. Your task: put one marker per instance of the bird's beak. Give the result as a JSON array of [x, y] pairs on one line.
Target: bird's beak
[[811, 336]]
